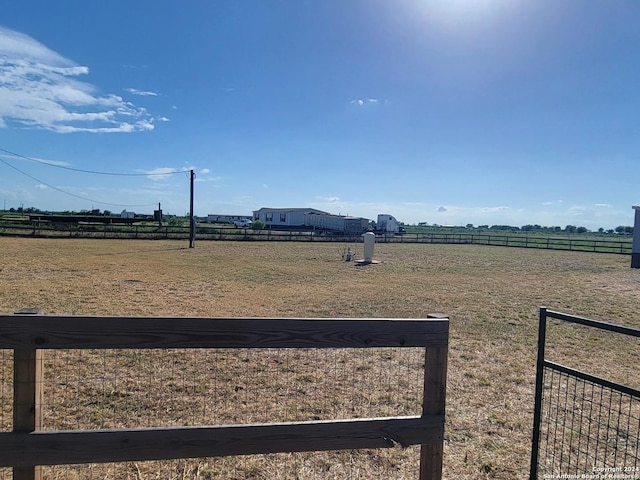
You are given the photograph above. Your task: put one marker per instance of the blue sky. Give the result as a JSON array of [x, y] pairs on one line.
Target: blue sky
[[444, 111]]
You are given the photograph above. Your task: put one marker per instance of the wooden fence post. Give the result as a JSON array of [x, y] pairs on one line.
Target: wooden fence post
[[27, 396], [435, 391]]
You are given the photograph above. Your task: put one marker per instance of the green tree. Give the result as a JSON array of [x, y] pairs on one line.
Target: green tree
[[624, 230]]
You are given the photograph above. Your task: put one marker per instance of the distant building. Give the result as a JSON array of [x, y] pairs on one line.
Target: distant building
[[310, 217], [287, 217], [340, 223], [219, 218], [126, 214]]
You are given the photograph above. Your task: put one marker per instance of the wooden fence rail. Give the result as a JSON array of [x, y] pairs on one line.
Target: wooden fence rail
[[28, 447]]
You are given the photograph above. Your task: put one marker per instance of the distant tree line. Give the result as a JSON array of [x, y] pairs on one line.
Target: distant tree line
[[569, 229], [95, 212]]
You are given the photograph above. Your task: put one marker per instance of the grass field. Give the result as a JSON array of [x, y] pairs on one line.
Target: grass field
[[491, 294]]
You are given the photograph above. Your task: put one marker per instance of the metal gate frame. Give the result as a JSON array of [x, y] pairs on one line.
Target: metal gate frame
[[542, 364]]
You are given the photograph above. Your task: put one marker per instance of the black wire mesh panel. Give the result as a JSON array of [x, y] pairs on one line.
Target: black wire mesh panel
[[587, 428]]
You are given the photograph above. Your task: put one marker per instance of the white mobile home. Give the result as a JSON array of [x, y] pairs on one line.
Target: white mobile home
[[286, 217]]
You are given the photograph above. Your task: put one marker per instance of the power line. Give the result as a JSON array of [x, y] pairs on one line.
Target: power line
[[69, 193], [93, 172]]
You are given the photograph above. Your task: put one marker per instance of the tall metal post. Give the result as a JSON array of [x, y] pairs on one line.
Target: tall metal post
[[635, 248], [192, 222], [537, 410]]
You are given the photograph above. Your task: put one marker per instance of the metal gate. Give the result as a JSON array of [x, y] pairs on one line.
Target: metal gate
[[584, 426]]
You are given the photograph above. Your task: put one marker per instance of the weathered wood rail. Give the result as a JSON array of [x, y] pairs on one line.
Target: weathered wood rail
[[30, 334]]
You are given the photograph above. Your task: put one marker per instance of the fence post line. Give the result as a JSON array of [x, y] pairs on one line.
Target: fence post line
[[434, 399], [27, 396]]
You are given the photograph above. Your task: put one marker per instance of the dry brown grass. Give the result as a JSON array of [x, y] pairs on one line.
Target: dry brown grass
[[491, 294]]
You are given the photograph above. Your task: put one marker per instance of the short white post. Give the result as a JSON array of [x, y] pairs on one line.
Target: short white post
[[369, 241]]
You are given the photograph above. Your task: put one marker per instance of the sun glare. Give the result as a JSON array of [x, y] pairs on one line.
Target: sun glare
[[458, 14]]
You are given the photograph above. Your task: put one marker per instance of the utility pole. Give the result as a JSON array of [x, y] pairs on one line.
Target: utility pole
[[192, 220]]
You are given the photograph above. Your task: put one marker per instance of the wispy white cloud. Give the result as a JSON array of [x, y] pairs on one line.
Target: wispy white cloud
[[163, 119], [161, 173], [204, 175], [39, 88], [456, 212], [501, 208], [328, 199], [55, 163], [577, 210], [361, 102], [141, 93]]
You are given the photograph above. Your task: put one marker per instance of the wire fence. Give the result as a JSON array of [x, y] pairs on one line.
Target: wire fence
[[585, 426], [97, 389], [109, 389], [621, 246]]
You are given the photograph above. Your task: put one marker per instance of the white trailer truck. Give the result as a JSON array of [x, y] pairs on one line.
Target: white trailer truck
[[388, 224]]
